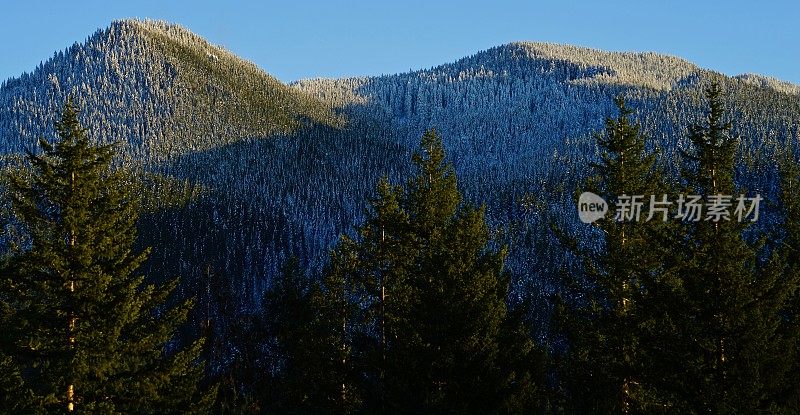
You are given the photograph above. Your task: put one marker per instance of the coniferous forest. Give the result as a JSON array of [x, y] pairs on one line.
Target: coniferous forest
[[183, 233]]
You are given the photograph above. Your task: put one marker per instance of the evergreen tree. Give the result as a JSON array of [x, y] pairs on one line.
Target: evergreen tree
[[12, 396], [603, 362], [339, 317], [297, 352], [233, 345], [88, 334], [788, 385], [720, 349], [433, 331], [307, 333]]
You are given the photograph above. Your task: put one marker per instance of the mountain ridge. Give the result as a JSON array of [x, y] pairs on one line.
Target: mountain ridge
[[609, 65], [286, 169]]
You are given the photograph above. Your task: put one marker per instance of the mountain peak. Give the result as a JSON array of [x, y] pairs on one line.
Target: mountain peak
[[645, 69], [164, 30], [159, 88]]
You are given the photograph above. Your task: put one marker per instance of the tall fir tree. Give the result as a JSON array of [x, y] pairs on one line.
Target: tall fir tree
[[720, 348], [602, 366], [299, 350], [788, 385], [433, 333], [87, 334], [337, 328], [13, 398]]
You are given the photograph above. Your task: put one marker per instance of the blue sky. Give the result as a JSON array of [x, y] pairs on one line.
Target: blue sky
[[302, 39]]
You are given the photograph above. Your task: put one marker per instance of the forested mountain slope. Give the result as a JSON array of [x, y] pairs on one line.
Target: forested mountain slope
[[155, 87], [283, 170], [514, 107]]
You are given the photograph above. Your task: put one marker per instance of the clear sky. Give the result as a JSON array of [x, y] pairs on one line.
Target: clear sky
[[295, 39]]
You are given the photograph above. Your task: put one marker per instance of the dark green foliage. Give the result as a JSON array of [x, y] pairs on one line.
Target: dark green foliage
[[720, 350], [290, 315], [304, 362], [431, 333], [302, 347], [684, 316], [79, 314], [603, 323], [788, 385], [233, 344]]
